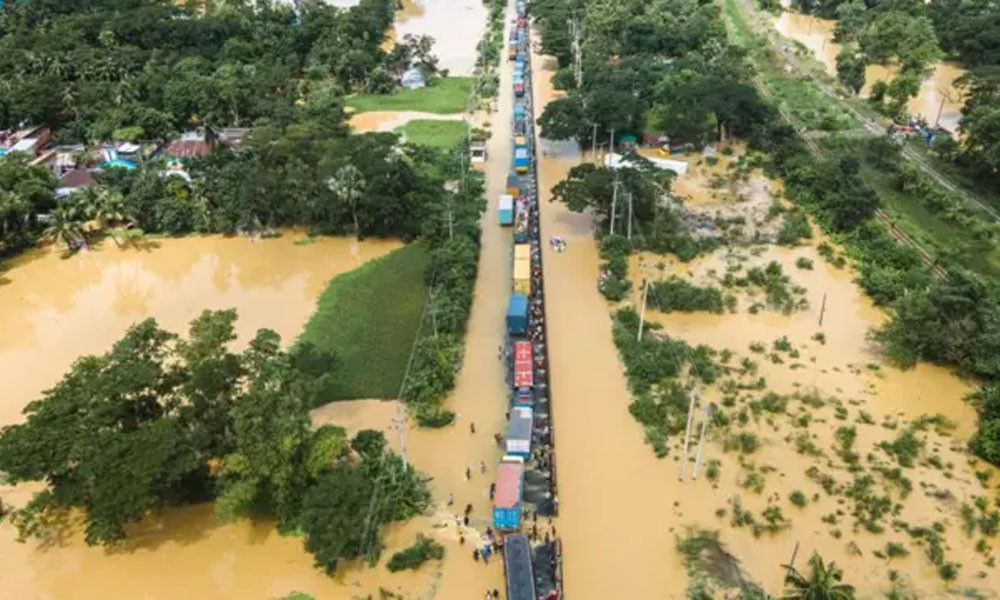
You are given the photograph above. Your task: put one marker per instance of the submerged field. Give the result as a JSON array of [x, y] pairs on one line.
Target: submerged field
[[369, 319], [811, 438], [443, 96]]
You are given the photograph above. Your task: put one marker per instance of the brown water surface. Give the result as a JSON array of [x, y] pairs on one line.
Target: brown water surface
[[621, 509], [455, 25], [937, 91]]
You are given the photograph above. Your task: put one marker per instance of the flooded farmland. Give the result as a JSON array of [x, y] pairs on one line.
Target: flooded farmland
[[938, 99], [623, 509]]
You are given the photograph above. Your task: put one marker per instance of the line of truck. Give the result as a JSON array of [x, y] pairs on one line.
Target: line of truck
[[526, 473]]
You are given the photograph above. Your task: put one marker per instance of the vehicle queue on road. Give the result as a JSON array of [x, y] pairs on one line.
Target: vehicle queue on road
[[526, 482]]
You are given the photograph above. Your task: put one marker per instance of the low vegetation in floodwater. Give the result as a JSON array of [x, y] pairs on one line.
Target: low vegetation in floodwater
[[412, 557], [444, 96], [369, 318], [433, 133]]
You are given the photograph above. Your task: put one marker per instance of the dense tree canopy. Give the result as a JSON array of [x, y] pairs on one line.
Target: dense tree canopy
[[647, 66], [161, 420]]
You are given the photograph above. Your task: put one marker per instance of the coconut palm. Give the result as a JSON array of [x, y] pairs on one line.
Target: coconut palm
[[822, 583], [63, 226], [348, 184]]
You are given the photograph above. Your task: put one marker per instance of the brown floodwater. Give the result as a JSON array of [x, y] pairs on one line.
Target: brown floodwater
[[455, 25], [53, 310], [388, 120], [622, 509], [937, 92]]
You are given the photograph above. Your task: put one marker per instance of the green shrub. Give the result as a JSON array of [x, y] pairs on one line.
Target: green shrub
[[798, 498], [678, 294], [422, 550]]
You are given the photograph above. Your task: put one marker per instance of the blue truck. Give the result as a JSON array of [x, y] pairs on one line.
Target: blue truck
[[505, 209], [507, 499], [517, 314], [522, 160]]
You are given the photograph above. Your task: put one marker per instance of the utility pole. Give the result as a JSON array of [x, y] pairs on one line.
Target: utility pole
[[701, 440], [611, 142], [630, 215], [614, 203], [822, 310], [687, 437], [642, 313], [945, 96]]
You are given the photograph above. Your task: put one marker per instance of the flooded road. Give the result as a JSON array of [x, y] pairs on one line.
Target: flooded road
[[622, 509], [937, 92]]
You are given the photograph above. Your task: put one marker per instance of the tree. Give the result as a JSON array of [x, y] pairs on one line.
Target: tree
[[851, 17], [822, 583], [851, 69], [64, 226], [906, 38], [347, 185]]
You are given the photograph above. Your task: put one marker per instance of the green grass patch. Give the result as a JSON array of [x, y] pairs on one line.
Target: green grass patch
[[368, 317], [443, 96], [436, 134]]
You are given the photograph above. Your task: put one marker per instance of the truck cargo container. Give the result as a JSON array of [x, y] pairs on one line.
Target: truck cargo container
[[507, 500], [522, 276], [505, 209], [512, 52], [517, 314], [524, 374], [517, 442], [514, 185], [518, 572], [521, 160], [520, 141], [522, 251], [519, 111]]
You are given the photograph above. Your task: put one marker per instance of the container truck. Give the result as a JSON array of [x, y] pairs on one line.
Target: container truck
[[514, 185], [522, 251], [517, 442], [524, 374], [521, 160], [522, 276], [519, 88], [517, 314], [505, 209], [507, 500], [518, 572]]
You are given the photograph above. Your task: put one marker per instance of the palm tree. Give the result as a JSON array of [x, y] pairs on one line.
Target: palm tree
[[63, 226], [348, 184], [822, 583]]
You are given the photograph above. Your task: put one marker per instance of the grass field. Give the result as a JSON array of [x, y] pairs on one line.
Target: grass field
[[436, 134], [369, 317], [444, 96]]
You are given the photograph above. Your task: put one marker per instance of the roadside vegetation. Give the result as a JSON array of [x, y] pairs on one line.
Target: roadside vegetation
[[368, 319]]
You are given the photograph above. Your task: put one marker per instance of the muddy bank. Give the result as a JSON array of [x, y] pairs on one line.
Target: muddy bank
[[937, 92]]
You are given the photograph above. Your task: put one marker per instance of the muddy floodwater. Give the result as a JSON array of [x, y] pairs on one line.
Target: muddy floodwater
[[53, 310], [937, 96], [388, 120], [622, 509], [456, 26]]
